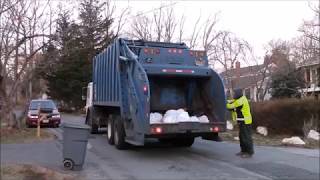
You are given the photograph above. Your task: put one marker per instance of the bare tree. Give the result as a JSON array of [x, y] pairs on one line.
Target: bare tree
[[19, 45], [169, 24], [195, 34], [228, 49], [157, 17], [209, 37], [142, 27]]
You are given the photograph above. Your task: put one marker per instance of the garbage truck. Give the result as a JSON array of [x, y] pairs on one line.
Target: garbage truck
[[133, 78]]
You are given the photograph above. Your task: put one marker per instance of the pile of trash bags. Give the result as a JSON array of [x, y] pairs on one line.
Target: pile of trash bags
[[176, 116]]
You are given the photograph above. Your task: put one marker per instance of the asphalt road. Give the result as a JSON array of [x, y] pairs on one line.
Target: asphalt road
[[204, 160]]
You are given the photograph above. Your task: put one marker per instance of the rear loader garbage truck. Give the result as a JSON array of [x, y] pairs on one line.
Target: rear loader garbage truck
[[142, 89]]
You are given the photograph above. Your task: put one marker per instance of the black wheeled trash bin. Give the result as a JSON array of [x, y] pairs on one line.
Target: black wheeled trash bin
[[75, 139]]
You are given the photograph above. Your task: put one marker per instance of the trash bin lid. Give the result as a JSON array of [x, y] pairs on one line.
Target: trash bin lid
[[77, 126]]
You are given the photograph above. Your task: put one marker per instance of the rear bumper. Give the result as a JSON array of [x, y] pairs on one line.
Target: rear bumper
[[192, 129]]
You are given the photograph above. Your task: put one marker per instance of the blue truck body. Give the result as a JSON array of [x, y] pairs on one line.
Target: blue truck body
[[132, 78]]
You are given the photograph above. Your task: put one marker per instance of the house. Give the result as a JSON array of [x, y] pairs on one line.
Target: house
[[311, 72], [254, 80]]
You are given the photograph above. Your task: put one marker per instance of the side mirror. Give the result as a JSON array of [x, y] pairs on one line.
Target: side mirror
[[84, 93]]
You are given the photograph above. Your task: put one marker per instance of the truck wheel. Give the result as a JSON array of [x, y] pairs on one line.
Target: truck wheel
[[110, 131], [119, 135], [183, 142], [68, 164]]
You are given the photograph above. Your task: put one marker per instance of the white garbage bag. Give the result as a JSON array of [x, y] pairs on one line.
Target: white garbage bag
[[170, 116], [155, 118], [313, 135], [180, 111], [203, 119], [262, 130], [183, 116], [194, 119], [229, 125], [295, 140]]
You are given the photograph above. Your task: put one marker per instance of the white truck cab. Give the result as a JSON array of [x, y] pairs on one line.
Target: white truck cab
[[88, 97]]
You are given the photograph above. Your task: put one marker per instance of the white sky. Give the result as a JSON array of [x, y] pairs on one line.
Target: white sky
[[258, 22]]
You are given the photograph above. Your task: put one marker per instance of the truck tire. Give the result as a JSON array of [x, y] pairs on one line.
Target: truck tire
[[119, 135], [94, 128], [183, 142], [110, 130]]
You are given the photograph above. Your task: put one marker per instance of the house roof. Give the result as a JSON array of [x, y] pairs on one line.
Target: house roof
[[310, 62], [243, 77]]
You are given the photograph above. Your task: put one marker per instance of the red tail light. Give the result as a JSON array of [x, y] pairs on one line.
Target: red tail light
[[151, 51], [145, 89], [215, 129], [156, 130], [175, 51]]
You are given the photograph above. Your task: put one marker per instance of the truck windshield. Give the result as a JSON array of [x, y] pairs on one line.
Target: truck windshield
[[43, 105]]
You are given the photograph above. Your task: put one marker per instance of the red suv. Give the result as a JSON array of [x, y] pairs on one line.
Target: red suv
[[47, 109]]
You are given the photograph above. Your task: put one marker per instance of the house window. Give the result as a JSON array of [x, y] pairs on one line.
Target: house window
[[247, 93], [318, 76], [308, 75], [228, 94], [260, 93], [313, 76]]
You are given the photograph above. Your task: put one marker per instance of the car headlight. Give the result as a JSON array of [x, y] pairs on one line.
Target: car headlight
[[200, 62], [33, 116], [56, 116]]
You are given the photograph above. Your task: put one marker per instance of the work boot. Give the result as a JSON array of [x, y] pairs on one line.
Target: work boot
[[246, 155], [239, 153]]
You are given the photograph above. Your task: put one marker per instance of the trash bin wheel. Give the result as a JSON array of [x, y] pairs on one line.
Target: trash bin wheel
[[68, 164]]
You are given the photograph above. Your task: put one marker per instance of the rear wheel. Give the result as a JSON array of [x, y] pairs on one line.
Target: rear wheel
[[110, 131], [119, 135]]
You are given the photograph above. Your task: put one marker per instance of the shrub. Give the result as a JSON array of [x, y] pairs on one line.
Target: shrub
[[286, 116]]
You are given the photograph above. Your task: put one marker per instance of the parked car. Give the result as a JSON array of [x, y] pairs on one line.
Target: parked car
[[48, 109]]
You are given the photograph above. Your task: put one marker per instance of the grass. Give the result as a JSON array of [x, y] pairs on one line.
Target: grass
[[23, 135], [270, 140], [31, 172]]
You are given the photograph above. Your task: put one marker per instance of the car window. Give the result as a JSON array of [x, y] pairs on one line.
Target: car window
[[43, 105]]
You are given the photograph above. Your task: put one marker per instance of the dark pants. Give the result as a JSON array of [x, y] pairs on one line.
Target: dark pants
[[245, 136]]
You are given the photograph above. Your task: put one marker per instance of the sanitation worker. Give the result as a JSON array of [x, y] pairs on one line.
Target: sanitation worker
[[240, 109]]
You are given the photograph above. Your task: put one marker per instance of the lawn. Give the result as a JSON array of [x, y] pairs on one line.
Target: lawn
[[23, 135], [32, 172], [270, 140]]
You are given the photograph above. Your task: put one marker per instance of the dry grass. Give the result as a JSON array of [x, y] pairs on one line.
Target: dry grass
[[32, 172], [270, 140], [23, 135]]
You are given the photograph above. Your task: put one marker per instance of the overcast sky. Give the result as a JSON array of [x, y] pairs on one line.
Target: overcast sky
[[258, 21]]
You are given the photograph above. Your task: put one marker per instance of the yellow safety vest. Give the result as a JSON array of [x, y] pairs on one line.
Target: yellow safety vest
[[245, 110]]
